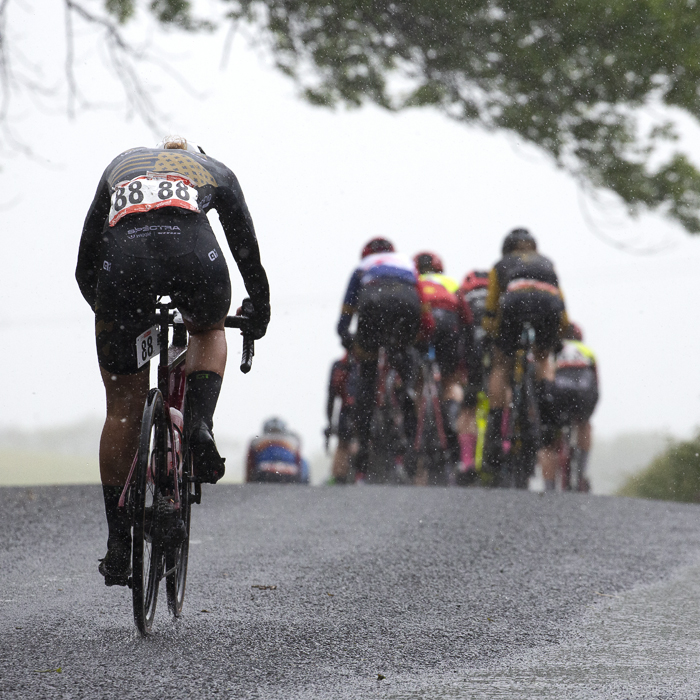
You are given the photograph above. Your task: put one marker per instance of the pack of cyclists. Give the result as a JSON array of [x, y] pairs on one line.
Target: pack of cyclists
[[410, 307], [146, 234]]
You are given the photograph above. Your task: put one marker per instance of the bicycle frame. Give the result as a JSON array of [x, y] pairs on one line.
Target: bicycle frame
[[171, 384], [523, 419], [430, 396]]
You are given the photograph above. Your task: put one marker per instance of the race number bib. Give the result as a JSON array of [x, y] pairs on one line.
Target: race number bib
[[152, 191], [147, 346]]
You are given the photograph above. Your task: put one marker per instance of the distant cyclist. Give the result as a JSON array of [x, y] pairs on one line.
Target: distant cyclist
[[474, 290], [523, 287], [576, 395], [275, 456], [146, 234], [453, 331], [340, 406], [383, 295]]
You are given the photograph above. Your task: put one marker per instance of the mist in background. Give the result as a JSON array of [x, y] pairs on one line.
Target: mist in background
[[319, 184]]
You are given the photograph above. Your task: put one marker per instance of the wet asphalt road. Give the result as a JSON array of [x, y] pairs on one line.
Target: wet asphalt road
[[441, 593]]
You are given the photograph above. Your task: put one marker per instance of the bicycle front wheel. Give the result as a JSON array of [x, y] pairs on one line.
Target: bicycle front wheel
[[147, 556], [176, 559]]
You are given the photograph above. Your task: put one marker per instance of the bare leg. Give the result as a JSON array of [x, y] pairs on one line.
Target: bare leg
[[341, 461], [498, 379], [549, 460], [126, 394], [207, 349], [584, 436]]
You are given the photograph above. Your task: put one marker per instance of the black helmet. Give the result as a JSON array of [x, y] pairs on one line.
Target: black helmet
[[514, 240], [428, 262]]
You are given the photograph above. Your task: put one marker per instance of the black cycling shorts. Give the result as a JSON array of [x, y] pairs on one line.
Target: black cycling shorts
[[388, 315], [541, 309], [445, 340], [575, 394], [128, 287]]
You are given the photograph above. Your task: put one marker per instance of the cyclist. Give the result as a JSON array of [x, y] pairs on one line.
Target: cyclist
[[473, 290], [275, 456], [147, 234], [383, 295], [453, 328], [342, 388], [523, 287], [576, 395]]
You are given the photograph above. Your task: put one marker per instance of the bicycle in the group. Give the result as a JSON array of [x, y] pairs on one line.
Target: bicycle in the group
[[522, 434], [387, 441], [570, 462], [429, 453], [161, 487]]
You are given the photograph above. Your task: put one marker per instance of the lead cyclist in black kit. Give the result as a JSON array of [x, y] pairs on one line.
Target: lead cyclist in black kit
[[147, 234]]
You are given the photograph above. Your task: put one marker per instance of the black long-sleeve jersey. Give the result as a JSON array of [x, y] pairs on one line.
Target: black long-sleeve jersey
[[198, 183]]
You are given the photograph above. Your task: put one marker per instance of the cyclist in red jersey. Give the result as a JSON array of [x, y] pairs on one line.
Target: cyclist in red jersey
[[453, 329], [473, 290], [147, 234]]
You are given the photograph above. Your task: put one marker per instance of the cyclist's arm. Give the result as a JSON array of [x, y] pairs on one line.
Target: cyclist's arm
[[564, 322], [90, 249], [240, 236], [490, 322], [349, 304]]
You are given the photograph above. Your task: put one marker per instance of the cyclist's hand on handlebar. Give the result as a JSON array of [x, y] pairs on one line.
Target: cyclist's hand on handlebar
[[257, 326]]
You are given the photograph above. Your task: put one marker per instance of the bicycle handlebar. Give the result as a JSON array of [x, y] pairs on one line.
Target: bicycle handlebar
[[248, 342]]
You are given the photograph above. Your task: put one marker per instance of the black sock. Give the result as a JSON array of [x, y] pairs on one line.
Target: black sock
[[203, 389], [494, 425], [118, 524]]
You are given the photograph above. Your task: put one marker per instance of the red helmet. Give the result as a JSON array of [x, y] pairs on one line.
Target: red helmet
[[428, 262], [475, 279], [576, 332], [377, 245]]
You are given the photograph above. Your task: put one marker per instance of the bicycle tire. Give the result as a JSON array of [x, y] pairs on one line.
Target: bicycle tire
[[176, 560], [147, 558]]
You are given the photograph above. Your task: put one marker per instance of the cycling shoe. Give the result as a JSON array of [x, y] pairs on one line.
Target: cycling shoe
[[116, 564], [208, 463]]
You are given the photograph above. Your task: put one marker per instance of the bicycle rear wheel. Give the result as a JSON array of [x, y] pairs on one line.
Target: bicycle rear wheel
[[176, 559], [147, 556]]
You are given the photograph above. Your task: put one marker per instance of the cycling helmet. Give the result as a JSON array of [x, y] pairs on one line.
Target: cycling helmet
[[274, 425], [475, 279], [517, 238], [179, 142], [428, 262], [575, 332], [377, 245]]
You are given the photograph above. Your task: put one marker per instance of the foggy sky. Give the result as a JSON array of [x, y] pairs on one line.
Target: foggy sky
[[318, 184]]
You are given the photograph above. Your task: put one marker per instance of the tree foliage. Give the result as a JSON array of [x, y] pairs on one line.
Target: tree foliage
[[596, 84], [672, 476], [577, 78]]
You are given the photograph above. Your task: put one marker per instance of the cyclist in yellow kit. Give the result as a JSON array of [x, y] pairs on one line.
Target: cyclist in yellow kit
[[523, 287]]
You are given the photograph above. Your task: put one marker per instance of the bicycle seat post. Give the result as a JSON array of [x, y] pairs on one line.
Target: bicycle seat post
[[163, 311]]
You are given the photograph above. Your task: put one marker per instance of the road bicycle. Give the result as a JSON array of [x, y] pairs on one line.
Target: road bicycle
[[522, 434], [570, 465], [161, 487], [387, 441], [429, 452]]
